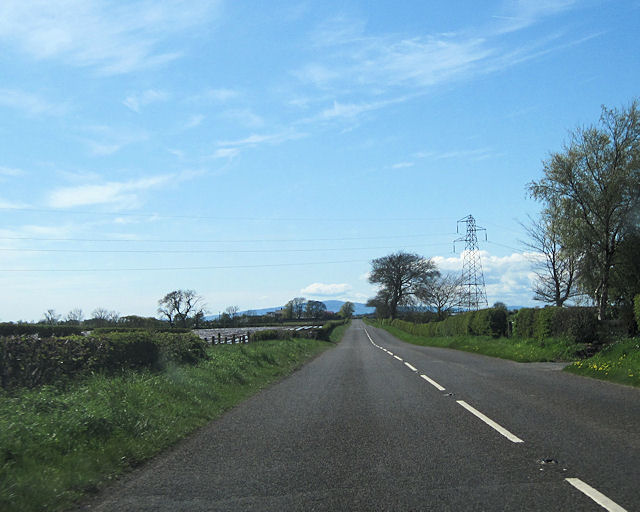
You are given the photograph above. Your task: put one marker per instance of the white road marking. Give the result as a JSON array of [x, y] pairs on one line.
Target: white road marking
[[433, 383], [490, 422], [595, 495], [398, 358], [410, 367], [389, 352]]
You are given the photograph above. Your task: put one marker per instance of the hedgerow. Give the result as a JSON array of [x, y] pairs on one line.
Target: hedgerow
[[636, 309], [42, 330], [578, 324], [485, 322], [30, 361]]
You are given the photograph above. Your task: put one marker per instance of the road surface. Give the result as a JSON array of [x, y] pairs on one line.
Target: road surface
[[378, 424]]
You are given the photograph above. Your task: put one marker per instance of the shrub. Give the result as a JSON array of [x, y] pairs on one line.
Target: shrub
[[29, 362], [41, 330], [577, 324], [636, 309], [271, 334], [327, 329], [523, 323], [485, 322]]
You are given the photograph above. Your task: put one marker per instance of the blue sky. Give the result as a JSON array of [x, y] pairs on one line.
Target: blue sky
[[257, 151]]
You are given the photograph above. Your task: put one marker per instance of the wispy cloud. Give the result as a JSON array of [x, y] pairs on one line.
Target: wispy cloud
[[29, 103], [231, 148], [193, 121], [136, 101], [121, 194], [381, 69], [458, 154], [402, 165], [326, 290], [215, 95], [11, 171], [112, 37], [105, 140]]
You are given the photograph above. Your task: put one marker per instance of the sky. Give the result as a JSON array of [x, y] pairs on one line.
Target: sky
[[259, 151]]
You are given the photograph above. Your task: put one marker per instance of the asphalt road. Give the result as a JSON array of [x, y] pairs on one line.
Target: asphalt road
[[359, 428]]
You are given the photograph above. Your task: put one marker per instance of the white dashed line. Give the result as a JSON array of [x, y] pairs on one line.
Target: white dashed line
[[410, 367], [595, 495], [433, 383], [491, 423], [398, 358]]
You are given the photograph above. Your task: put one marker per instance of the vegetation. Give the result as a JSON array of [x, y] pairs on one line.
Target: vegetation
[[58, 443], [577, 324], [486, 322], [591, 192], [29, 362], [521, 350], [619, 362], [184, 308], [403, 278]]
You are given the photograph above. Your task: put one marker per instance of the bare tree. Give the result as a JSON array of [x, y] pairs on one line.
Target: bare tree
[[51, 317], [181, 306], [554, 265], [232, 311], [75, 316], [443, 294], [402, 277]]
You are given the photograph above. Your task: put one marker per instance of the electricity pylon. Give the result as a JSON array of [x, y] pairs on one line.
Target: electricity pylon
[[473, 295]]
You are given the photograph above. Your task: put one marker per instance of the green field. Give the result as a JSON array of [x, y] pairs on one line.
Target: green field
[[56, 444]]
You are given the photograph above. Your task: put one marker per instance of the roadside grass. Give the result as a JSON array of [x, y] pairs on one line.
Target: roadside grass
[[619, 362], [58, 444], [520, 350], [338, 332]]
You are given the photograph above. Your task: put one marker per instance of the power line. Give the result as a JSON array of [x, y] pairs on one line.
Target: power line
[[202, 241], [154, 269], [205, 251], [232, 218]]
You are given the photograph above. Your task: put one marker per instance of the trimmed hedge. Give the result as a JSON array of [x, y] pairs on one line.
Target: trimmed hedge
[[105, 330], [271, 334], [485, 322], [31, 362], [636, 309], [328, 327], [578, 324], [42, 330]]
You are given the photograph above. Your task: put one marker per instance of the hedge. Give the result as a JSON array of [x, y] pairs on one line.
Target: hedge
[[578, 324], [485, 322], [167, 328], [42, 330], [30, 362], [328, 327], [636, 309]]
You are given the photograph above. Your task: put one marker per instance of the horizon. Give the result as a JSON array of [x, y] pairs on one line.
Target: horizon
[[255, 154]]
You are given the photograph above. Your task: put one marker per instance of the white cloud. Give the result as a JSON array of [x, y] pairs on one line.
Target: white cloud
[[212, 95], [11, 171], [119, 193], [194, 120], [402, 165], [29, 103], [244, 117], [114, 37], [231, 148], [105, 140], [136, 101], [325, 290]]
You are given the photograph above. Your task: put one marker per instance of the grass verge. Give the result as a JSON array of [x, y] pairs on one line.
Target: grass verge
[[58, 444], [619, 362], [520, 350]]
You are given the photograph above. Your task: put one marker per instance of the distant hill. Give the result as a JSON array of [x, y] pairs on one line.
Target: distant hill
[[332, 305]]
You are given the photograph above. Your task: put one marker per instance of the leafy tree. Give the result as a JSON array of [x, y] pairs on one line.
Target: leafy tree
[[592, 189], [555, 265], [347, 310], [182, 307], [315, 309], [294, 308], [443, 294], [402, 278], [381, 303]]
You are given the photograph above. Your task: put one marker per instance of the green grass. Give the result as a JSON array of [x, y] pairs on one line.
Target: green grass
[[58, 444], [338, 332], [619, 362], [521, 350]]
